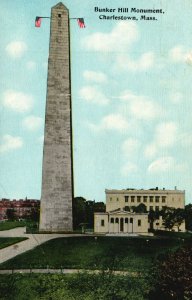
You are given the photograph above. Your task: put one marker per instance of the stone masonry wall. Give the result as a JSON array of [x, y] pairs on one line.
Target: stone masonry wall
[[57, 180]]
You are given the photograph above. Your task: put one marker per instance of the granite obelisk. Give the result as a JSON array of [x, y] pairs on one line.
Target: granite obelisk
[[57, 174]]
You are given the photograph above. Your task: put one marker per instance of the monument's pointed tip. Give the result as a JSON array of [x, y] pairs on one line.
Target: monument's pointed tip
[[60, 5]]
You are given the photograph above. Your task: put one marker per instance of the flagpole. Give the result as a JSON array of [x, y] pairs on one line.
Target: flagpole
[[50, 18]]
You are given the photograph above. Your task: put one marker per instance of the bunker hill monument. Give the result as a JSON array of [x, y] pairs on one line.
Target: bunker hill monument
[[57, 174]]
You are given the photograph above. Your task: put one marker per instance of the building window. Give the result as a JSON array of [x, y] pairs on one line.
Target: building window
[[156, 198], [157, 224], [59, 15], [126, 208], [111, 199], [102, 222], [112, 220], [131, 220], [151, 198], [132, 198], [145, 199], [163, 199], [117, 199], [157, 208], [117, 220], [139, 222], [150, 207], [138, 199], [126, 220], [126, 198]]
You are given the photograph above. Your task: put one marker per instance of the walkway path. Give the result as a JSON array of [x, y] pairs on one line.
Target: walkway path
[[65, 271], [33, 241]]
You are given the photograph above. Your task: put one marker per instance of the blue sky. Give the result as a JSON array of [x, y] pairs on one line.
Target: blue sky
[[131, 88]]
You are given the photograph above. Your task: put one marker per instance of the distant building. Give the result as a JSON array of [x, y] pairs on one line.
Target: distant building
[[120, 218], [21, 208], [121, 221]]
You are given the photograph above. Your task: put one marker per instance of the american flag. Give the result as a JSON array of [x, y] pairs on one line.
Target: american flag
[[81, 23], [38, 22]]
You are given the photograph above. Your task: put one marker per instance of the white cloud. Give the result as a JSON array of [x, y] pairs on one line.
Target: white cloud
[[180, 54], [130, 146], [10, 143], [144, 62], [32, 123], [165, 165], [144, 109], [141, 107], [189, 58], [176, 97], [177, 53], [16, 49], [129, 169], [151, 150], [119, 39], [111, 122], [128, 96], [31, 65], [166, 135], [92, 94], [186, 140], [97, 77], [17, 101]]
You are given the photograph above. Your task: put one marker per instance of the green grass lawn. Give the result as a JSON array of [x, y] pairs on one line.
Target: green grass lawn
[[11, 224], [84, 286], [7, 241], [120, 253]]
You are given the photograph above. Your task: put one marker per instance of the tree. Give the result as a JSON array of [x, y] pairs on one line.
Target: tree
[[152, 216], [188, 217], [11, 214], [79, 211], [83, 211], [99, 207], [179, 217], [172, 276], [141, 208], [173, 217], [89, 208], [35, 213]]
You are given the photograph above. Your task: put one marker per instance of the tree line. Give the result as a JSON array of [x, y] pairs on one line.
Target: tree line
[[83, 213], [171, 216]]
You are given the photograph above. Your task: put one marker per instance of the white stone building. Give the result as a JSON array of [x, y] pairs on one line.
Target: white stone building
[[119, 217], [120, 221]]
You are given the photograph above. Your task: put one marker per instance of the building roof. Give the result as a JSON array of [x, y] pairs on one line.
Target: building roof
[[124, 212], [142, 191], [120, 212]]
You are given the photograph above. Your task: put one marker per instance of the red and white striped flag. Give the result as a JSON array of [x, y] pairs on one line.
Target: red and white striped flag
[[81, 22], [38, 22]]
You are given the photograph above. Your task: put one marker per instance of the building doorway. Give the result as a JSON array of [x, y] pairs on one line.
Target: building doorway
[[121, 225]]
